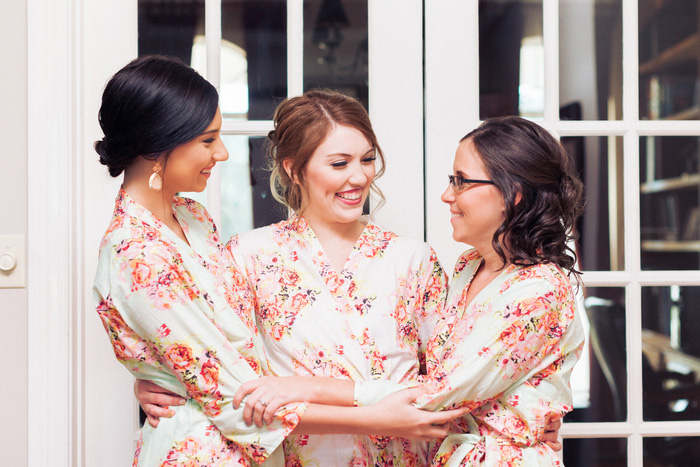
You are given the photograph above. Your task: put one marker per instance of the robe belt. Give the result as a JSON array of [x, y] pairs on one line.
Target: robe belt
[[464, 443]]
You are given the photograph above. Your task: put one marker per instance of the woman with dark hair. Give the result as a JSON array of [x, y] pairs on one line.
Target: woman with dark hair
[[514, 334], [175, 307]]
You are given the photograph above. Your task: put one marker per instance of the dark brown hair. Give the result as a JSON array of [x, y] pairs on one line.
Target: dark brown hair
[[302, 124], [151, 106], [523, 158]]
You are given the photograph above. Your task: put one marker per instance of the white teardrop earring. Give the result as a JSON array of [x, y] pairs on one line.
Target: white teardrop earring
[[155, 183]]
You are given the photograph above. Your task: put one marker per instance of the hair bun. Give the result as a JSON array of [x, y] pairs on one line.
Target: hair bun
[[114, 160]]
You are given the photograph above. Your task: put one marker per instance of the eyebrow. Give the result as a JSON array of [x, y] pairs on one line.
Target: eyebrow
[[343, 154], [210, 131]]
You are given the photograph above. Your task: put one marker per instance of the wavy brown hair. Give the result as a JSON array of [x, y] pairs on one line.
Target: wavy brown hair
[[302, 124], [523, 158]]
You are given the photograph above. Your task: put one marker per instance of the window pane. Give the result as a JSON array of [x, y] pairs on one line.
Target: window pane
[[669, 50], [246, 200], [335, 46], [511, 58], [672, 451], [253, 58], [671, 352], [169, 27], [595, 452], [605, 366], [599, 162], [590, 57], [670, 219]]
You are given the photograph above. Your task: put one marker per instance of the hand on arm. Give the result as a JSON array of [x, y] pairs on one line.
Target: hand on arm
[[395, 415], [155, 401], [551, 434], [265, 395]]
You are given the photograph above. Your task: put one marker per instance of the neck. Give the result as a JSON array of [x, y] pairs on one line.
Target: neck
[[158, 202], [337, 232], [492, 263]]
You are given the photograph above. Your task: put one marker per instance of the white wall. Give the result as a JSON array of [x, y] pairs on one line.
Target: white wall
[[13, 196]]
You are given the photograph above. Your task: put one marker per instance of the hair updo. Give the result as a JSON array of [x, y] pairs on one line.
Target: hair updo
[[151, 106], [523, 158], [302, 124]]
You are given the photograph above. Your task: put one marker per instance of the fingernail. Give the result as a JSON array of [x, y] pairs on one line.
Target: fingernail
[[172, 413], [182, 401]]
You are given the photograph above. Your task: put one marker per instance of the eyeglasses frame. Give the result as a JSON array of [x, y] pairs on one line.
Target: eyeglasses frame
[[463, 181]]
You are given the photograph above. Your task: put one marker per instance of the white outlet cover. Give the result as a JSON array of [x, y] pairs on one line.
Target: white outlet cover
[[14, 245]]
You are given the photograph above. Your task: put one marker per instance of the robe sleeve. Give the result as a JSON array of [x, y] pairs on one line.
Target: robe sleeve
[[522, 333], [157, 314], [425, 301]]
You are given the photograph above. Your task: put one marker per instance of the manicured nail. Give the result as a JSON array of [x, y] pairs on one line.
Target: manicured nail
[[182, 401]]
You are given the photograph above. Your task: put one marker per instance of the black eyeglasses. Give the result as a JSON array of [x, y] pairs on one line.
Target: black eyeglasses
[[460, 183]]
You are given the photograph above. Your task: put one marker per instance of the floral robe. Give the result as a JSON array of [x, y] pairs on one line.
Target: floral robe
[[369, 322], [180, 316], [508, 357]]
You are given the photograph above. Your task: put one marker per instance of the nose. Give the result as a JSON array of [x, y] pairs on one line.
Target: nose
[[360, 174], [220, 152], [448, 196]]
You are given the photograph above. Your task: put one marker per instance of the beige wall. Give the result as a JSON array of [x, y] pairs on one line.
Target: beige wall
[[13, 196]]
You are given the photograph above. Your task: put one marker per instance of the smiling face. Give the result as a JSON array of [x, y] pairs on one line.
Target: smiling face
[[188, 167], [337, 178], [478, 210]]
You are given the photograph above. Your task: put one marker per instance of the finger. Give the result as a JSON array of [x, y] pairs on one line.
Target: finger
[[272, 407], [153, 421], [145, 395], [555, 445], [439, 431], [248, 408], [445, 416], [166, 400], [260, 408], [157, 411], [411, 394], [553, 425], [244, 390]]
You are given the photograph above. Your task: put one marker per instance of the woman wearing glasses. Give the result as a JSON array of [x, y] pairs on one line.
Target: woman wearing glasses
[[514, 335]]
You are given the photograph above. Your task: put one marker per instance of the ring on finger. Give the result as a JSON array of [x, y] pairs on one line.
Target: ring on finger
[[262, 402]]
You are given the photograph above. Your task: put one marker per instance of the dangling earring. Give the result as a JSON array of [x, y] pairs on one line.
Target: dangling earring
[[155, 183]]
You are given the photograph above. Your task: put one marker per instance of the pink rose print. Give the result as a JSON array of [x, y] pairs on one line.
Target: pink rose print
[[179, 355]]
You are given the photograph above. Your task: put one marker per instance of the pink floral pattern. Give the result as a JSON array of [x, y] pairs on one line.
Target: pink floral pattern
[[181, 316], [370, 321], [507, 357]]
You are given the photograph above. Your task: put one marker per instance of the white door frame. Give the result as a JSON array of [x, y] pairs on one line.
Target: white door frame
[[73, 47]]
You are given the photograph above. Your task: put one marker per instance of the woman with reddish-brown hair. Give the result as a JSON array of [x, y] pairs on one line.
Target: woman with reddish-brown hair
[[175, 306]]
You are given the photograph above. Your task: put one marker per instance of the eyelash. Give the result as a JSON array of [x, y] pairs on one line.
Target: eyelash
[[341, 164], [209, 140]]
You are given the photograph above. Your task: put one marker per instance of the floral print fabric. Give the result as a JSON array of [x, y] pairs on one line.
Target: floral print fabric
[[180, 315], [507, 356], [369, 322]]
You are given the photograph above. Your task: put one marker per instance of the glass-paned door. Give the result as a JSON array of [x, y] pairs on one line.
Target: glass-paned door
[[627, 115], [269, 50]]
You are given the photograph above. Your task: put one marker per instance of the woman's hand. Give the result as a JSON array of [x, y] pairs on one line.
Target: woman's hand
[[395, 415], [267, 394], [155, 401], [551, 434]]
